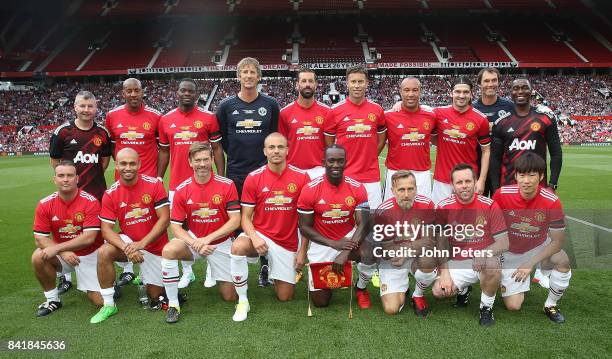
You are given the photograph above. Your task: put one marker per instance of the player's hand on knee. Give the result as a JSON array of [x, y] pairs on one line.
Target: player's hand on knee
[[136, 257], [522, 274], [70, 258], [48, 252], [130, 248], [260, 245], [197, 245], [207, 249]]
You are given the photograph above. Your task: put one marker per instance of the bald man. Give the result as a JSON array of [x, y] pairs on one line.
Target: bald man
[[134, 125], [140, 204], [409, 137], [270, 224]]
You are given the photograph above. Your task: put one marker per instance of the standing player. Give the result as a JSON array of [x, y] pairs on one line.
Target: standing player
[[479, 238], [409, 135], [70, 217], [460, 128], [209, 204], [334, 211], [88, 145], [358, 125], [406, 207], [302, 123], [245, 120], [140, 204], [134, 125], [536, 225], [270, 224], [178, 130]]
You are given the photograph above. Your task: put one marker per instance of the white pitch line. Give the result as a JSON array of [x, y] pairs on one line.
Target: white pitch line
[[589, 224]]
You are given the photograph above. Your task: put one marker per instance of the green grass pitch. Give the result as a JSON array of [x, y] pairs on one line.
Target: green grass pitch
[[283, 329]]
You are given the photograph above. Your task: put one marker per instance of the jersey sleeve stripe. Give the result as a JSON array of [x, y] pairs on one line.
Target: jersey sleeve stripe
[[44, 234], [161, 203], [247, 204], [180, 223], [107, 220], [95, 229], [305, 211]]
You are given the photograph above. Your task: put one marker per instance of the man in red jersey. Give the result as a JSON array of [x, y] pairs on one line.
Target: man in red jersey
[[409, 135], [460, 128], [334, 212], [134, 125], [67, 234], [302, 123], [476, 238], [358, 125], [270, 224], [536, 226], [209, 205], [179, 129], [140, 204], [416, 212]]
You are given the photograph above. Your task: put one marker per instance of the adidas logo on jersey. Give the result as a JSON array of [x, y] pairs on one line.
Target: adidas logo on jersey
[[55, 218], [189, 201], [119, 126], [445, 120], [510, 130], [265, 189], [294, 121], [522, 145], [346, 119], [235, 112], [123, 204], [73, 142], [400, 126], [322, 201], [172, 126]]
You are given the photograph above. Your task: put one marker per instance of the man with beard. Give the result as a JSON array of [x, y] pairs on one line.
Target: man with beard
[[179, 129], [302, 123]]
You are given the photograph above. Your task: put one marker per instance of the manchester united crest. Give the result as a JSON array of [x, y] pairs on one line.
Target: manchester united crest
[[97, 140], [540, 216], [146, 198], [372, 117], [319, 120], [331, 278], [470, 126], [535, 127], [79, 217], [426, 125], [146, 126], [481, 221], [198, 124], [350, 201], [291, 187], [217, 198]]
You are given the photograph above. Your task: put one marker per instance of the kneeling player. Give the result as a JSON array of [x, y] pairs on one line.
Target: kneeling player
[[70, 216], [140, 204], [478, 238], [269, 221], [408, 208], [536, 226], [334, 213], [209, 205]]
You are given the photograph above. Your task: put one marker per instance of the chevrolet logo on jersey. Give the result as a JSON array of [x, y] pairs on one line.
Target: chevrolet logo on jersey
[[204, 212], [454, 133], [335, 213], [70, 229], [248, 123], [524, 227], [359, 127], [137, 213], [307, 130], [131, 135], [278, 200], [185, 135], [413, 136]]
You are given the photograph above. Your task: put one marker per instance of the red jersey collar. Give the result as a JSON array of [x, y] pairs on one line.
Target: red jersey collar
[[140, 110], [348, 99], [274, 173], [459, 112], [205, 183]]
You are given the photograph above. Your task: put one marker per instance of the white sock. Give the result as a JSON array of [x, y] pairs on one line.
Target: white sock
[[170, 278], [107, 296], [365, 274], [187, 267], [208, 270], [486, 301], [240, 275], [559, 282], [128, 267], [52, 295], [423, 280]]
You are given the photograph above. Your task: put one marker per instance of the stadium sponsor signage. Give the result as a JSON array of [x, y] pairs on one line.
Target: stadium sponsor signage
[[443, 65], [166, 70], [590, 144], [20, 153]]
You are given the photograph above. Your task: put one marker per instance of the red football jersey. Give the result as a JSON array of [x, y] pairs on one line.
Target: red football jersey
[[134, 207], [458, 135], [483, 212], [67, 220], [275, 200], [205, 207], [421, 213], [333, 207], [409, 137], [137, 130], [303, 128], [179, 130], [529, 221], [356, 128]]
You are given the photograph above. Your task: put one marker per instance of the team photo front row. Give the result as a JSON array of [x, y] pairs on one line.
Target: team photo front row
[[296, 220]]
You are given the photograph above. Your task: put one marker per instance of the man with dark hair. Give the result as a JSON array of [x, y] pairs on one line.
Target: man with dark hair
[[334, 211], [246, 119], [460, 129], [535, 219], [302, 123], [178, 130], [479, 237]]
